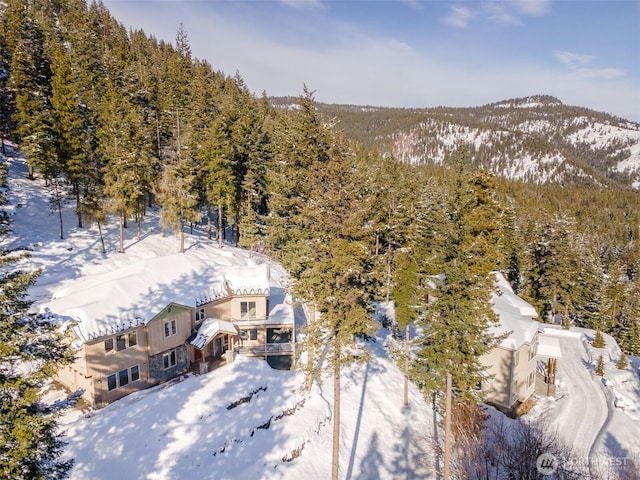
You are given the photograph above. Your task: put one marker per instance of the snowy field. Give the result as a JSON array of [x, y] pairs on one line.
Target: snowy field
[[245, 420]]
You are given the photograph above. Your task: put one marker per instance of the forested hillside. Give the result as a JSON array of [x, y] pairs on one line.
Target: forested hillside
[[357, 203], [536, 139], [117, 121]]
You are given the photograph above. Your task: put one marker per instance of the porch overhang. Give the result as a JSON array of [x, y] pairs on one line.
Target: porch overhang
[[210, 329]]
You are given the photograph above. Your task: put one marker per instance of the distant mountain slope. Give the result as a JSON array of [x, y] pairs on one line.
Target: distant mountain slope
[[536, 139]]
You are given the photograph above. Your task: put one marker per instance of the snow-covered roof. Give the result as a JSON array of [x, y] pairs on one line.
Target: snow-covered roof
[[515, 316], [210, 328], [248, 280], [548, 346], [134, 294], [280, 309]]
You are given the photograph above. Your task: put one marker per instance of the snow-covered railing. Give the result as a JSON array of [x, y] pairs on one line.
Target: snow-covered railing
[[116, 328], [210, 297]]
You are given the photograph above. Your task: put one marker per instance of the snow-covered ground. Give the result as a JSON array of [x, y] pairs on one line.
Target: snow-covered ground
[[599, 417], [185, 428]]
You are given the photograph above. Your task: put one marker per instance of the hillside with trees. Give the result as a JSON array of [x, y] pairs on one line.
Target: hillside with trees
[[358, 204]]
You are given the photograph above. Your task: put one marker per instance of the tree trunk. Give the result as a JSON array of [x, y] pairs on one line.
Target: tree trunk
[[310, 355], [335, 470], [182, 238], [76, 188], [220, 228], [122, 220], [406, 365], [209, 229], [60, 217], [104, 250], [447, 430]]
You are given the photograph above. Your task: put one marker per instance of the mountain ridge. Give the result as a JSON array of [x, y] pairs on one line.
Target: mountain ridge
[[535, 138]]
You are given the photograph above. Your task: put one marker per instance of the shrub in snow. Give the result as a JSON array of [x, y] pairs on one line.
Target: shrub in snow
[[622, 361], [600, 367], [598, 342]]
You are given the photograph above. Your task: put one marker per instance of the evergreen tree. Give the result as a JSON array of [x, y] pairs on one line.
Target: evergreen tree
[[563, 274], [456, 327], [177, 197], [622, 362], [34, 118], [217, 161], [627, 330], [598, 341], [31, 349], [315, 193], [613, 293], [600, 366], [69, 124], [126, 145]]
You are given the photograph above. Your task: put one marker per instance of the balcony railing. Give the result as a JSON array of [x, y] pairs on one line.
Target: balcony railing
[[266, 349]]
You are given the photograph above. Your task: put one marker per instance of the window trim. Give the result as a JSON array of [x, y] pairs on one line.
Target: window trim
[[166, 365], [246, 305], [170, 328], [115, 378], [113, 341]]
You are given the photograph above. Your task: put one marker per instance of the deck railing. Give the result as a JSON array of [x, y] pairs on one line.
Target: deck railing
[[268, 348]]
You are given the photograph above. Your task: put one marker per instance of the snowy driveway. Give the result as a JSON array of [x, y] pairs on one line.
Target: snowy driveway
[[583, 409]]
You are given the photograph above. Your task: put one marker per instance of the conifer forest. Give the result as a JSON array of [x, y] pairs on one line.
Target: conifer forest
[[118, 123]]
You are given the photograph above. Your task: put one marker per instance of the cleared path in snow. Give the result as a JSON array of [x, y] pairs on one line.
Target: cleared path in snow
[[583, 411]]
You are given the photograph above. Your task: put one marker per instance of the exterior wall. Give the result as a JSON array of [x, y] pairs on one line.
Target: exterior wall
[[261, 307], [74, 376], [157, 371], [220, 309], [103, 364], [157, 340], [524, 373], [498, 366], [513, 375]]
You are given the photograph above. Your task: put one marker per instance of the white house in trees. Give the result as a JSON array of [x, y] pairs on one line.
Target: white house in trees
[[157, 318], [511, 366]]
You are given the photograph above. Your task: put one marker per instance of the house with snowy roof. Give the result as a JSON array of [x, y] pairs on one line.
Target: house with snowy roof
[[511, 367], [153, 320]]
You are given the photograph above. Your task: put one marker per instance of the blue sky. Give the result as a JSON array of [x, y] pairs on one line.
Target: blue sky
[[413, 53]]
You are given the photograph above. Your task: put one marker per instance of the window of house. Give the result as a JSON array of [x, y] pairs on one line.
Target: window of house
[[169, 359], [121, 342], [532, 351], [530, 379], [170, 328], [200, 315], [108, 345], [111, 382], [123, 377], [247, 310], [516, 359], [133, 339], [253, 334]]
